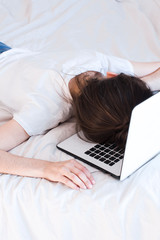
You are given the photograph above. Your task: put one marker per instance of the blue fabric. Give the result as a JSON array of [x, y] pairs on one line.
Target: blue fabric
[[3, 47]]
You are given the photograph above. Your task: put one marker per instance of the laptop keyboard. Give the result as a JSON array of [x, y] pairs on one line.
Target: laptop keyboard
[[107, 153]]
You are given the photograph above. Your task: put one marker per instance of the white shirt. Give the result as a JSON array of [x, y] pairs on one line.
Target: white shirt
[[33, 95]]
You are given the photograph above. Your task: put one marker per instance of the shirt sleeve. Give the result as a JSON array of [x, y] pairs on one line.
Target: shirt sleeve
[[45, 107], [116, 65]]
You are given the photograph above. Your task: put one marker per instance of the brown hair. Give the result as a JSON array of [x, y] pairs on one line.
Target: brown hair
[[103, 107]]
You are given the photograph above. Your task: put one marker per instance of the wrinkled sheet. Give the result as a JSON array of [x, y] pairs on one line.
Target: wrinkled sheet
[[38, 209]]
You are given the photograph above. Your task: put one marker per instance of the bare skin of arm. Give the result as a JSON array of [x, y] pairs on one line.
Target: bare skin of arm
[[153, 80], [142, 69], [149, 73], [70, 173]]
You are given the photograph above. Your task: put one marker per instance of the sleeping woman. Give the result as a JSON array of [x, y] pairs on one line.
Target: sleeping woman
[[31, 103]]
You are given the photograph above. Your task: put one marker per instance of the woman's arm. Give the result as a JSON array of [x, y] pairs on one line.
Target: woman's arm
[[142, 69], [153, 80], [149, 73], [70, 172], [11, 135]]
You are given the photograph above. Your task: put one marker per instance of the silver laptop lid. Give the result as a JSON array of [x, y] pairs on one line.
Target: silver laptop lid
[[143, 141]]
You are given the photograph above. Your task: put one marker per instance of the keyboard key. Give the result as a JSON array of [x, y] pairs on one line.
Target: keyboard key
[[102, 159], [121, 156], [92, 149], [112, 158], [88, 152], [98, 146], [117, 155], [107, 156], [97, 151], [111, 164], [92, 154], [116, 160], [106, 150], [107, 161], [102, 153], [102, 148]]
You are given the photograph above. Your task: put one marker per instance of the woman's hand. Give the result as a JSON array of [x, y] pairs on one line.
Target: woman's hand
[[71, 173]]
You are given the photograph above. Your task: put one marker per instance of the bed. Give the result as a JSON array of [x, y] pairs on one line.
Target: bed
[[36, 209]]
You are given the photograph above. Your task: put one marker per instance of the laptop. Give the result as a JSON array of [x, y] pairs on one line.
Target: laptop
[[143, 143]]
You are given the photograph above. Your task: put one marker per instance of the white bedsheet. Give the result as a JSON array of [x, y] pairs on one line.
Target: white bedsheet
[[36, 209]]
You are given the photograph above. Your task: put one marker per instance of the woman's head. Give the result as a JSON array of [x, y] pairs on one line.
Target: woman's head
[[81, 80], [103, 106]]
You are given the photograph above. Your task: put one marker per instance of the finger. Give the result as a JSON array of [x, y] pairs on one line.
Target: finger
[[82, 177], [85, 170], [70, 174], [68, 183], [79, 180]]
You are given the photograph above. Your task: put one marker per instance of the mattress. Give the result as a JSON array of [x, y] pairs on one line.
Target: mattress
[[36, 209]]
